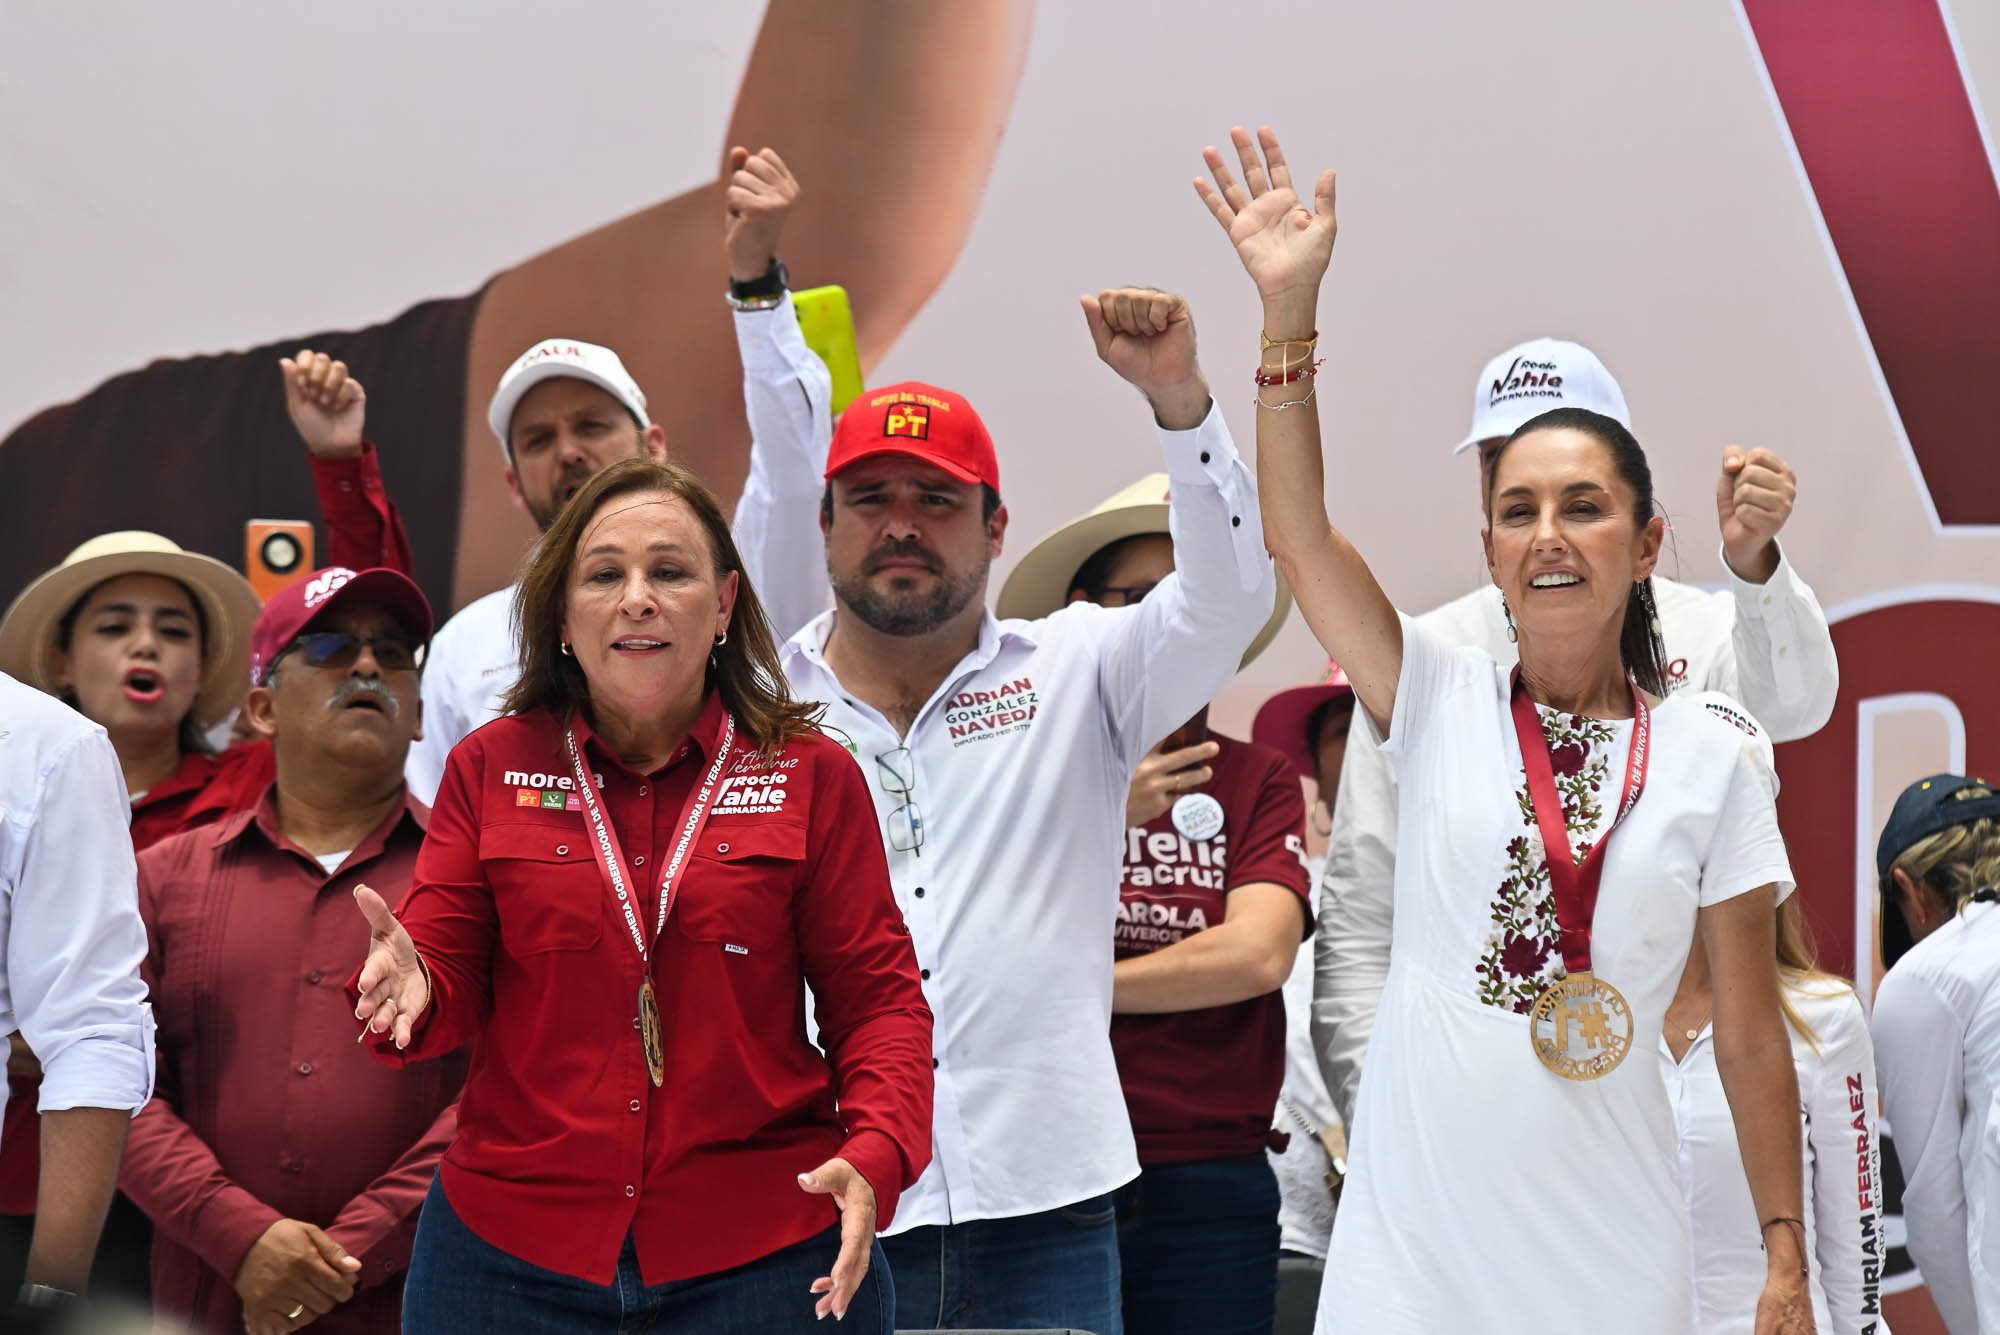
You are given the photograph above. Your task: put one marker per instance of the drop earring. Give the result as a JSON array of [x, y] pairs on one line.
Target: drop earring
[[1651, 609], [1513, 635]]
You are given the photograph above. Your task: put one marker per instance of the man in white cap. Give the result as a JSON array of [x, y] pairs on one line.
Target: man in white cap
[[567, 408], [1764, 641]]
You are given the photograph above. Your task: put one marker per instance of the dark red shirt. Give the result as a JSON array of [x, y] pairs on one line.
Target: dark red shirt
[[364, 530], [564, 1146], [1202, 1084], [264, 1106]]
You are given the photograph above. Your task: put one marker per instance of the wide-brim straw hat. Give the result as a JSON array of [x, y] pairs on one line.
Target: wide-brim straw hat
[[1041, 583], [229, 607]]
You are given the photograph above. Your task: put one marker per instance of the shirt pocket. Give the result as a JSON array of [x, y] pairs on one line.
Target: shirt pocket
[[547, 888], [740, 882]]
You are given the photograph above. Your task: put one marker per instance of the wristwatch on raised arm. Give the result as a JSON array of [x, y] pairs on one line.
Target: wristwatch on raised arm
[[760, 294]]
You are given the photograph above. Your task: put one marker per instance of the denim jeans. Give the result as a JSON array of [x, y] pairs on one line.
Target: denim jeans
[[1198, 1243], [459, 1284], [1054, 1270]]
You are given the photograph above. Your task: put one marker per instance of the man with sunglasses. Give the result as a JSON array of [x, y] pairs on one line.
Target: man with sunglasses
[[283, 1167], [1001, 752]]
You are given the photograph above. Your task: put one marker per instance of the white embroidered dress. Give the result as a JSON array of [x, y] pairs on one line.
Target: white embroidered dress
[[1486, 1193]]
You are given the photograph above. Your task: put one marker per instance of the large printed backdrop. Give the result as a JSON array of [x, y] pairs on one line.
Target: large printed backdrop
[[1777, 223]]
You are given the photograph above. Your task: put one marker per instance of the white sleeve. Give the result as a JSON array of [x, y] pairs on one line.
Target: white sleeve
[[1179, 647], [1786, 671], [1356, 917], [1920, 1054], [76, 940], [1846, 1183], [423, 767], [788, 397], [1747, 850]]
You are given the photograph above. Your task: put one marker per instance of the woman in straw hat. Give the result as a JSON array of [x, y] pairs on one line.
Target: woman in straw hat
[[1212, 907]]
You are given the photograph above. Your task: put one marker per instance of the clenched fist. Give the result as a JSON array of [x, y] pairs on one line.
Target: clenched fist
[[1147, 337], [1753, 499], [327, 406]]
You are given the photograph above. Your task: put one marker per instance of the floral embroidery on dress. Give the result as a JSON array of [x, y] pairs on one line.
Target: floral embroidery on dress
[[1523, 953]]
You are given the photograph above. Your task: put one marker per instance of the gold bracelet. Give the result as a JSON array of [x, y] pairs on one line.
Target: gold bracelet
[[1265, 342]]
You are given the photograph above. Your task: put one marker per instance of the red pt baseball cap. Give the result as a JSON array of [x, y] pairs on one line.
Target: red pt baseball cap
[[919, 420], [293, 609]]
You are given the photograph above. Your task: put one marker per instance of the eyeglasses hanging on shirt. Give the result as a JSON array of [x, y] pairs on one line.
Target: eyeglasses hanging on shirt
[[897, 769]]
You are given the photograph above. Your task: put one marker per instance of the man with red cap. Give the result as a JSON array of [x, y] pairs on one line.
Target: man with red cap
[[1000, 754], [282, 1165]]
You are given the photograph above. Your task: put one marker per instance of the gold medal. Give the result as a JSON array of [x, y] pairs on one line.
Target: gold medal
[[1581, 1027], [649, 1034]]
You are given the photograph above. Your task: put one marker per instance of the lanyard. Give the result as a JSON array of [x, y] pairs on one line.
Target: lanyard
[[1575, 887], [611, 858]]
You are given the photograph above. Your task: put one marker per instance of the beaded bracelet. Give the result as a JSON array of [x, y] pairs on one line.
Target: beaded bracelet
[[1290, 374]]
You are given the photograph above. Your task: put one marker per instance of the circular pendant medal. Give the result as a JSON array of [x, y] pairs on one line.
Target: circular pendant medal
[[649, 1035], [1581, 1027], [1198, 816]]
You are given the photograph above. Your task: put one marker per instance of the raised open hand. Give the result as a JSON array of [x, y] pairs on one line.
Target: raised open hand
[[394, 989], [758, 194], [1284, 245]]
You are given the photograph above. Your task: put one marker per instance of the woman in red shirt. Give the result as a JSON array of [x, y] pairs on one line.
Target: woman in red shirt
[[629, 882]]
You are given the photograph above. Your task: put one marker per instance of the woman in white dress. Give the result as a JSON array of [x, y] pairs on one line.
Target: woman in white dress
[[1510, 1171], [1834, 1059]]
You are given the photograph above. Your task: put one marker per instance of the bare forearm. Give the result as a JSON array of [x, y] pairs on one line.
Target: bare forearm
[[81, 1148], [1291, 471], [1757, 1076], [1217, 967]]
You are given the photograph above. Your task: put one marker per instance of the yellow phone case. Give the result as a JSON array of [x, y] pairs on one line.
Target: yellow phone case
[[828, 324]]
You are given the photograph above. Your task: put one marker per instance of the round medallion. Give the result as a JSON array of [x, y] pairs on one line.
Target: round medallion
[[1581, 1027], [1198, 816]]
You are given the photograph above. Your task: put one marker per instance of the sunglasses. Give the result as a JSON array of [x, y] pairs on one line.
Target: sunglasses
[[338, 649]]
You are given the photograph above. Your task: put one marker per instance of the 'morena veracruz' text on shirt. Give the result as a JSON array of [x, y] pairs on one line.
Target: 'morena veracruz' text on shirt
[[564, 1146], [1202, 1084], [1023, 758]]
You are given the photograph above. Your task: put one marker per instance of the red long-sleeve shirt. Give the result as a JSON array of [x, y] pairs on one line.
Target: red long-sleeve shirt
[[264, 1108], [364, 529], [564, 1146]]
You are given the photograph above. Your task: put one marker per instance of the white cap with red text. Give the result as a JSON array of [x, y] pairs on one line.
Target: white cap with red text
[[553, 358], [1530, 378]]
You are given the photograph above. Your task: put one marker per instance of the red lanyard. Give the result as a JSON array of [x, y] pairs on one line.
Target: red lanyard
[[611, 858], [1575, 887]]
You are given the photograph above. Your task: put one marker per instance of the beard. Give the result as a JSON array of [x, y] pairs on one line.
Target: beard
[[544, 511], [915, 612]]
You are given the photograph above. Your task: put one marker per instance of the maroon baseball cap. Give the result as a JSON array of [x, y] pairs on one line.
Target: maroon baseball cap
[[293, 609], [1281, 721], [919, 420]]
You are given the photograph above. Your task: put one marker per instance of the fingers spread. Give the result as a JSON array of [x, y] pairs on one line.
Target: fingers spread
[[1281, 173], [1233, 194], [1253, 166]]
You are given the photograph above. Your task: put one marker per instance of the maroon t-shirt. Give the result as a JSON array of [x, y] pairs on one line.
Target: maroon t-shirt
[[1202, 1084]]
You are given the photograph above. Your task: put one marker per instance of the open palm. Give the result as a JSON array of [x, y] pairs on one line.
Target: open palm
[[1284, 245]]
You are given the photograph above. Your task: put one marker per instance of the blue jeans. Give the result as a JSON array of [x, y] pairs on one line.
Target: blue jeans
[[1198, 1243], [460, 1284], [1054, 1270]]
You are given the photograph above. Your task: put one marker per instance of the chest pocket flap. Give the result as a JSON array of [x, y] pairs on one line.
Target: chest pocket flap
[[740, 882], [546, 886]]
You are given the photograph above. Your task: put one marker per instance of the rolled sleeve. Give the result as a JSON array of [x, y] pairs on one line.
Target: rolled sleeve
[[788, 399], [1786, 668], [75, 941], [1180, 646]]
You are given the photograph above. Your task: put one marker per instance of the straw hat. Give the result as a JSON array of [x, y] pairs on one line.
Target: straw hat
[[229, 607], [1040, 584]]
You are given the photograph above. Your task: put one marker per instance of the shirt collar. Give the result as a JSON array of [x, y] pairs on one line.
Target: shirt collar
[[702, 739], [194, 772], [263, 818], [809, 645]]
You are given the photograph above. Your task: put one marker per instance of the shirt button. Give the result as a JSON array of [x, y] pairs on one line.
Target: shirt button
[[642, 790], [924, 974], [631, 1190], [1236, 521], [305, 1068], [315, 977], [722, 848], [634, 1105], [562, 850], [639, 860], [934, 1063], [919, 892], [1204, 456], [635, 1022], [1781, 650]]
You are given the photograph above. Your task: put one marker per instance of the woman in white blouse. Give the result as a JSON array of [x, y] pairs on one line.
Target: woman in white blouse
[[1835, 1062]]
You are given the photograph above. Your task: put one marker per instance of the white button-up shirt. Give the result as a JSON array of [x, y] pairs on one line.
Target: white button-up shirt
[[475, 658], [70, 934], [1767, 645], [1022, 760], [1937, 1045]]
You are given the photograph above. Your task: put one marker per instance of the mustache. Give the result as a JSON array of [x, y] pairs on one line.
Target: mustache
[[901, 549], [370, 687]]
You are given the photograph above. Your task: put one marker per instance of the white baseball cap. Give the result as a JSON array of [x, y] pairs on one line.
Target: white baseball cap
[[553, 358], [1530, 378]]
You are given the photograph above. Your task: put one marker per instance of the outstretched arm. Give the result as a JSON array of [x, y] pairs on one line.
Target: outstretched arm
[[328, 409], [1286, 247]]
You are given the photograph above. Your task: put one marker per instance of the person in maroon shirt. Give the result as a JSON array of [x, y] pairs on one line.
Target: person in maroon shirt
[[630, 881], [150, 642], [282, 1166], [1213, 906]]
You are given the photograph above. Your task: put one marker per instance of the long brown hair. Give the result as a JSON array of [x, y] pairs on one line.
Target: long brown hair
[[1798, 962], [745, 669]]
